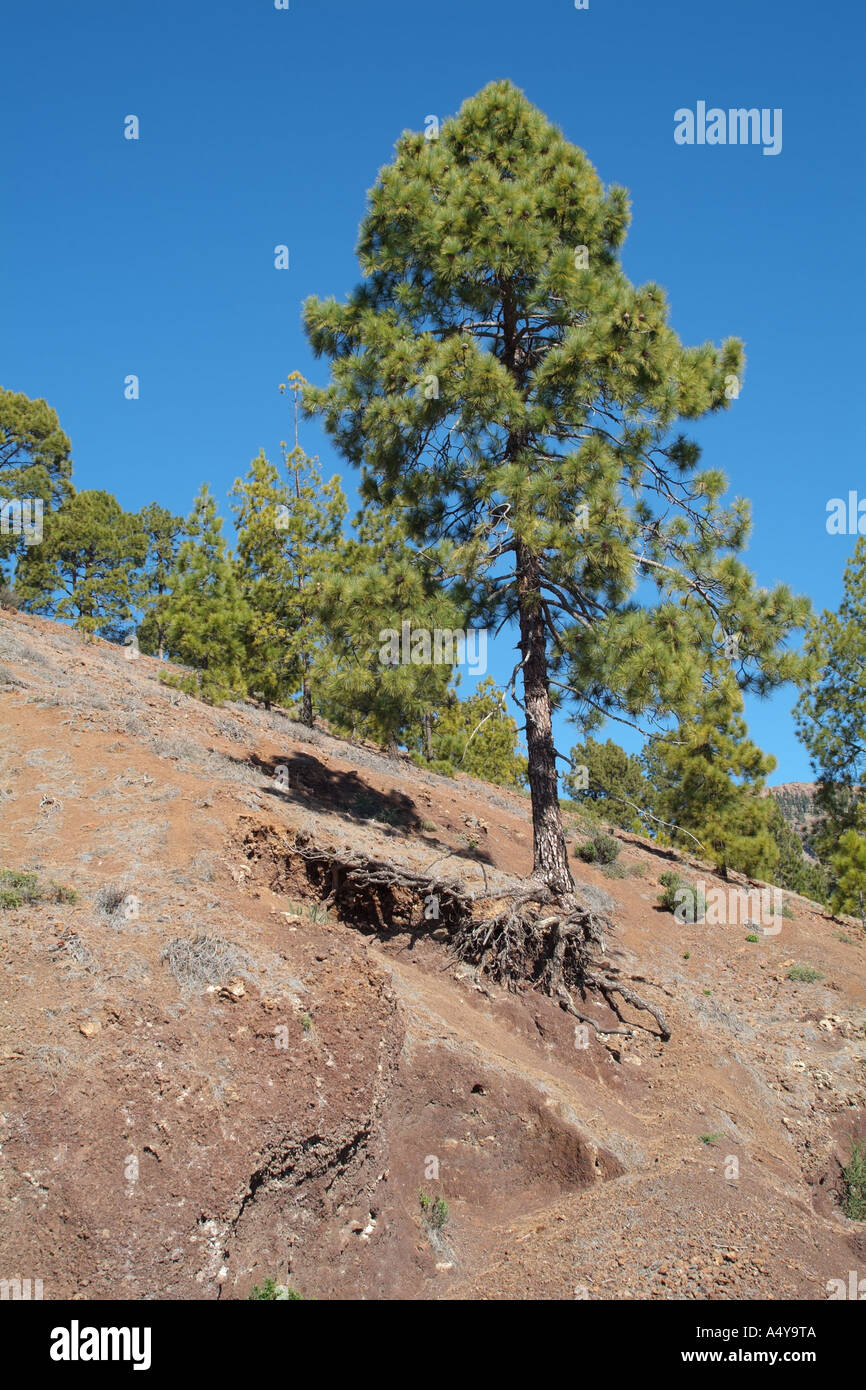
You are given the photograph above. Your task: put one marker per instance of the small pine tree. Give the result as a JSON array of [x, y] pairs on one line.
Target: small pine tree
[[478, 736], [709, 778], [289, 538], [377, 681], [615, 784], [165, 534], [205, 615], [265, 578], [849, 871]]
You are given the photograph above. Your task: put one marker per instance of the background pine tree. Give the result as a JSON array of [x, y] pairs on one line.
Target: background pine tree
[[35, 461], [290, 537], [85, 567], [831, 711], [164, 533], [616, 787], [478, 736], [382, 584], [849, 874], [708, 777], [205, 615]]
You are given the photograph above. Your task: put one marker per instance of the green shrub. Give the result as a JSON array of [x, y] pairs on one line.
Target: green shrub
[[615, 871], [687, 903], [435, 1211], [18, 888], [854, 1177], [270, 1291], [61, 893], [804, 974], [601, 848]]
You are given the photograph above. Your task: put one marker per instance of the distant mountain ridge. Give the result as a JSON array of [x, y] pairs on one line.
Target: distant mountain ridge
[[797, 803]]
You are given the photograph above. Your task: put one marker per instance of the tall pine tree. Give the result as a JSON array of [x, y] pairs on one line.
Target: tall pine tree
[[498, 377]]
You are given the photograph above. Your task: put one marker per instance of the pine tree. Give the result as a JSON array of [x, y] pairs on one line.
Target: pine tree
[[205, 615], [164, 533], [478, 736], [498, 377], [380, 673], [35, 463], [610, 780], [794, 869], [709, 777], [289, 538], [831, 710], [85, 567], [265, 579], [849, 873]]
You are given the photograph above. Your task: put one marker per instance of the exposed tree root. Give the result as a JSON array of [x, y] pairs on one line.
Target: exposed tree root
[[525, 938]]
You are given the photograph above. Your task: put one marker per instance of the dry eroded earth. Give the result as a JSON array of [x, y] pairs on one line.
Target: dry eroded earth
[[207, 1077]]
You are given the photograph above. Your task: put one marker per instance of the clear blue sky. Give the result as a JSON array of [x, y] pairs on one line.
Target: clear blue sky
[[261, 127]]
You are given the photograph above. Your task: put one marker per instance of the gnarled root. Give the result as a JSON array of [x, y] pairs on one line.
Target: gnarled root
[[556, 951], [530, 937]]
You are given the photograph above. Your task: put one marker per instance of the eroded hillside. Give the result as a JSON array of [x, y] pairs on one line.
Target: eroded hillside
[[214, 1071]]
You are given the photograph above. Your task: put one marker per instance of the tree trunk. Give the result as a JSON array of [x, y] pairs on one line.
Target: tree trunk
[[307, 696], [550, 852], [428, 736]]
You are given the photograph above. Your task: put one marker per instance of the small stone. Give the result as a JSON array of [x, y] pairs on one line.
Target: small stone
[[90, 1027], [233, 991]]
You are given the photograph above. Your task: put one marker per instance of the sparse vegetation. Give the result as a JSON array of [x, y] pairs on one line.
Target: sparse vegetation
[[686, 902], [804, 974], [854, 1178], [111, 901], [20, 888], [17, 888], [600, 848], [434, 1210], [269, 1291], [205, 960]]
